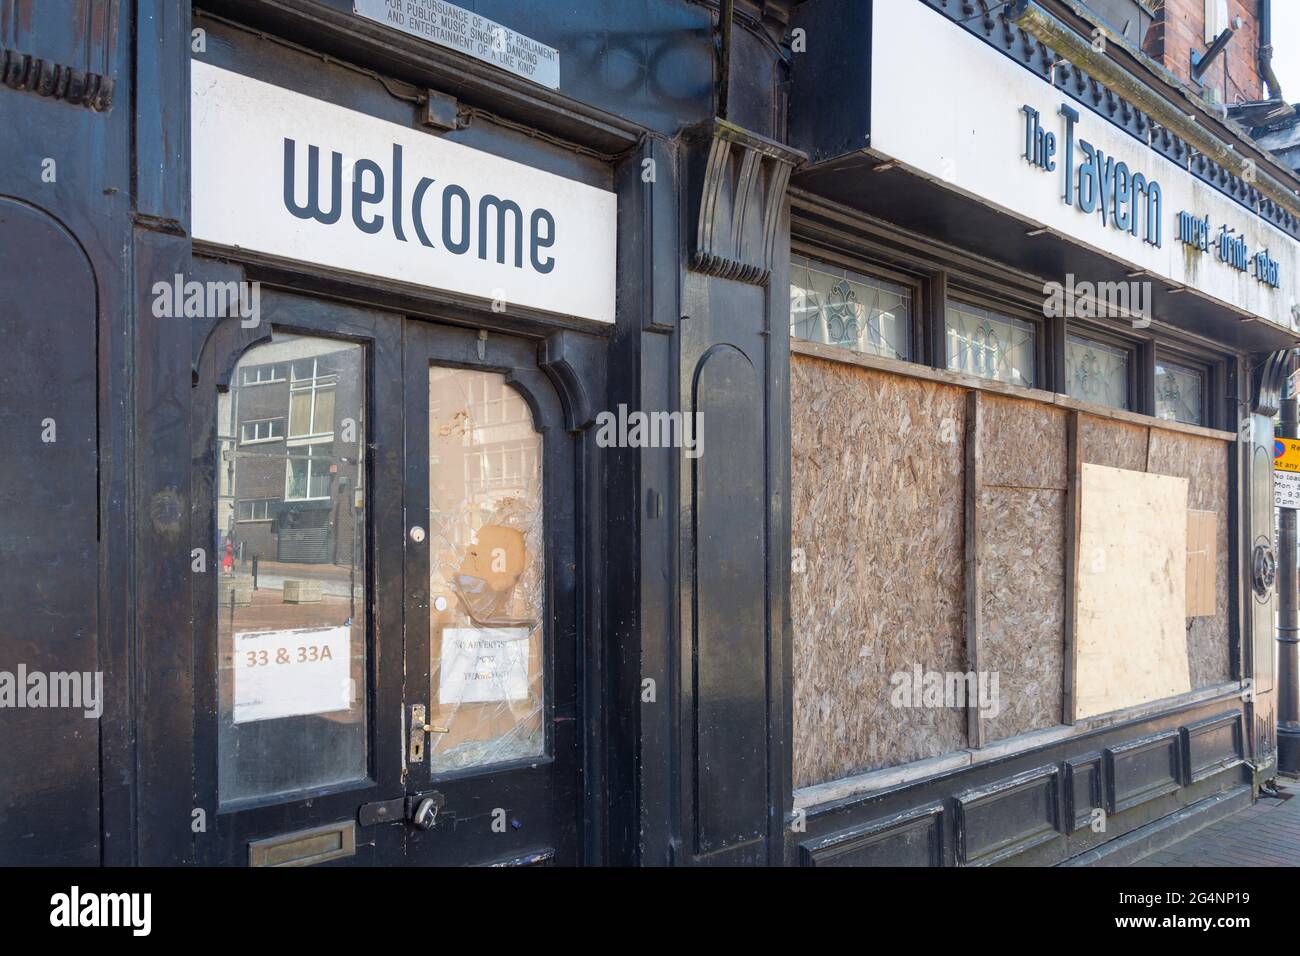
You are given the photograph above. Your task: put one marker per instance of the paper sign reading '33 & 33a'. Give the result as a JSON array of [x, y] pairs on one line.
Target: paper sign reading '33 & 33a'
[[278, 172], [292, 673]]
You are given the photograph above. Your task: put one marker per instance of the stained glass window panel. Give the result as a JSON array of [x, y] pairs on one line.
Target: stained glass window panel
[[985, 343], [1097, 373], [837, 307], [1180, 394]]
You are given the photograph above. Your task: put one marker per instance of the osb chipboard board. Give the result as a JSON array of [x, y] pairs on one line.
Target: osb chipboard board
[[1021, 521], [1130, 596], [876, 508], [1202, 553], [1104, 441], [1023, 443], [1022, 594], [1204, 462]]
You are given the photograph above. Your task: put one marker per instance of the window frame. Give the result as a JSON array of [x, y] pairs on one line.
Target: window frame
[[312, 386], [875, 271], [1212, 369], [933, 284], [1135, 348], [309, 458], [240, 502], [245, 383], [262, 421], [1044, 340]]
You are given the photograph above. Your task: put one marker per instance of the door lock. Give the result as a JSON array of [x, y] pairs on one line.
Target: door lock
[[426, 814], [417, 534], [423, 809]]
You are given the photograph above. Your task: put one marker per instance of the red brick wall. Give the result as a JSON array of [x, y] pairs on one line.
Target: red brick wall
[[1180, 28]]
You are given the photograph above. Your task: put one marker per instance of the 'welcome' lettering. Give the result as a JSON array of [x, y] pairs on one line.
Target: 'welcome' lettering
[[465, 225]]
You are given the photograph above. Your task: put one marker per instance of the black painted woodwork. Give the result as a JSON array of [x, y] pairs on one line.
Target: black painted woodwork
[[678, 568]]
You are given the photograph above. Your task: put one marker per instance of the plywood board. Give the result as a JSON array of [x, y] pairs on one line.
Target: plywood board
[[1021, 545], [877, 512], [1023, 443], [1131, 590], [1201, 554], [1104, 441], [1204, 462], [1023, 596]]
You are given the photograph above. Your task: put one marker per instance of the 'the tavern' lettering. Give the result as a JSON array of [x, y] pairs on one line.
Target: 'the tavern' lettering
[[1125, 199]]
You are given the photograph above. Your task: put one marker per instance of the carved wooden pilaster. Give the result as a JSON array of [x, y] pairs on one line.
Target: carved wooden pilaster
[[70, 59]]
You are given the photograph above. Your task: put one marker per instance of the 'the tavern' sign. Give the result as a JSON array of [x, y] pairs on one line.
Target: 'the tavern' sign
[[969, 110], [281, 173]]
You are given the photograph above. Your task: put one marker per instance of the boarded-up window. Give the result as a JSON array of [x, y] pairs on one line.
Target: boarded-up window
[[876, 496], [880, 492]]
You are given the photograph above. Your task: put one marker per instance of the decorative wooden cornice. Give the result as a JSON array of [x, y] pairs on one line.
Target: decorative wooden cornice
[[738, 186]]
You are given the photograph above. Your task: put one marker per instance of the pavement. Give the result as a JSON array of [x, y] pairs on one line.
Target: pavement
[[1266, 834], [333, 578]]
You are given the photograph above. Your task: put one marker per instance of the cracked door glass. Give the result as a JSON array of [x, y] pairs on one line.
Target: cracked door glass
[[487, 602], [291, 569]]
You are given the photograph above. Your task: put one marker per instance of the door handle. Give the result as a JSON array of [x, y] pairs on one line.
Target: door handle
[[420, 727]]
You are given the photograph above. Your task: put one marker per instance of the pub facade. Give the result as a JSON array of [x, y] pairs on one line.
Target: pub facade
[[321, 311]]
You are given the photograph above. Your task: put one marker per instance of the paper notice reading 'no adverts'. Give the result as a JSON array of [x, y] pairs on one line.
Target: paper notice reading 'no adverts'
[[483, 664]]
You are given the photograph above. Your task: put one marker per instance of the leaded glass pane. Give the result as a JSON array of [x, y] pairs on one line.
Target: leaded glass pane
[[837, 307], [1097, 373], [1180, 394], [990, 345]]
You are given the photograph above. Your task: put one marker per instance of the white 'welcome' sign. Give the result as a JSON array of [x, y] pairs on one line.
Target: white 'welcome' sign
[[285, 174]]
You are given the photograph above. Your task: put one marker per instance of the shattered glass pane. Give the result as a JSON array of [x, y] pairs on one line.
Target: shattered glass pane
[[487, 576]]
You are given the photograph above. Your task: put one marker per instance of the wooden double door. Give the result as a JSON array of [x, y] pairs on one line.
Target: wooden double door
[[387, 627]]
